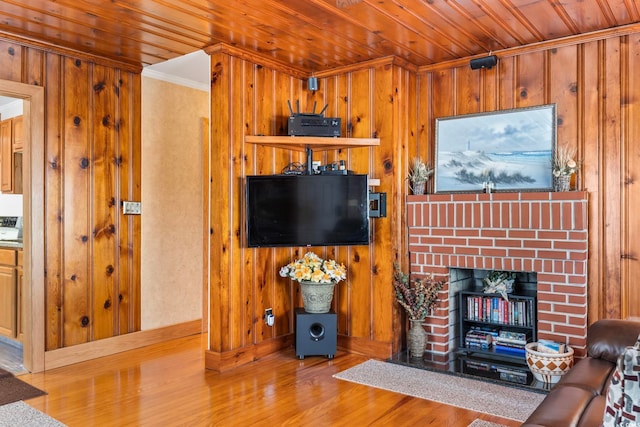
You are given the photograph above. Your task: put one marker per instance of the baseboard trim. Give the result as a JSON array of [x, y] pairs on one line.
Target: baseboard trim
[[227, 360], [366, 347], [108, 346]]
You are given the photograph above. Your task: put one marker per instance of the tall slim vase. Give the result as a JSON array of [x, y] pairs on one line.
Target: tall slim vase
[[416, 339]]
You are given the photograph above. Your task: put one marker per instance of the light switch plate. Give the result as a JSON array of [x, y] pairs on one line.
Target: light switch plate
[[131, 208]]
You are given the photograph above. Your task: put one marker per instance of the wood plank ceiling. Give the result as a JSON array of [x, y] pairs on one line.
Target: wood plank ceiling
[[308, 35]]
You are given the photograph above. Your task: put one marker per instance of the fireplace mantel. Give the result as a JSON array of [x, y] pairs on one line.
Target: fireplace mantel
[[542, 232]]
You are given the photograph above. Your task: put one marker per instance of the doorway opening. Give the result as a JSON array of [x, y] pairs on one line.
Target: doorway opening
[[32, 301]]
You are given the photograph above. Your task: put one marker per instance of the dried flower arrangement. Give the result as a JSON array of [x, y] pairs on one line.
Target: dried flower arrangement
[[418, 296], [564, 163], [499, 282], [419, 171]]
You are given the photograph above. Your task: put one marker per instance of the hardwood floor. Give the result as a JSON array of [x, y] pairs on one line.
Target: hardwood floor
[[167, 385]]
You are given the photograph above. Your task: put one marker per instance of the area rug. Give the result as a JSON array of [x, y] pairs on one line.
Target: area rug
[[19, 414], [480, 396], [483, 423], [12, 389]]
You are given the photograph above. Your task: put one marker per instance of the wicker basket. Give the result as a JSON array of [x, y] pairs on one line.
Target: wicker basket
[[548, 367]]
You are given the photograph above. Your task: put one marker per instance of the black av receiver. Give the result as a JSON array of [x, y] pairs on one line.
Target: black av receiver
[[312, 124]]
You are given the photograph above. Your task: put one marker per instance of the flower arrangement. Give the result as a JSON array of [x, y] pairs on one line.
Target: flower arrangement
[[419, 171], [564, 163], [499, 282], [312, 268], [418, 297]]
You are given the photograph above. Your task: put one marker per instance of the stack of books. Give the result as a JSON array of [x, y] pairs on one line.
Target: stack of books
[[480, 338], [511, 342], [550, 347]]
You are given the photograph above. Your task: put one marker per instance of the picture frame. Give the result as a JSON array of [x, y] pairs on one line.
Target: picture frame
[[505, 150]]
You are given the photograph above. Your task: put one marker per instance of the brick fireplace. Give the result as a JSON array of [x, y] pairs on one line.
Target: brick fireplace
[[541, 232]]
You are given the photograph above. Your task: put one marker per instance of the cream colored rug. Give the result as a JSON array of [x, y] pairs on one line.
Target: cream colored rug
[[19, 414], [480, 396], [483, 423]]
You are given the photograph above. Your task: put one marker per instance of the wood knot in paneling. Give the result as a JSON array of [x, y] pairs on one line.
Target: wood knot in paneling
[[99, 87], [216, 72], [107, 304], [84, 321], [84, 163], [106, 230], [77, 121], [11, 51], [110, 270], [106, 120]]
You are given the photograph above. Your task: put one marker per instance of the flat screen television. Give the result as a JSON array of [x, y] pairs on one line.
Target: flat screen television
[[307, 210]]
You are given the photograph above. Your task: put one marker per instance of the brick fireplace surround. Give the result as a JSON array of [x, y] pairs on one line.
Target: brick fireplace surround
[[537, 232]]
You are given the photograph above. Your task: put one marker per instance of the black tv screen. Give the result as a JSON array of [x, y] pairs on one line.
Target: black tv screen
[[307, 210]]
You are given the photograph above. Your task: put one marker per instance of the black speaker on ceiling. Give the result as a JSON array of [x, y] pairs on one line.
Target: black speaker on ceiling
[[486, 62], [316, 334]]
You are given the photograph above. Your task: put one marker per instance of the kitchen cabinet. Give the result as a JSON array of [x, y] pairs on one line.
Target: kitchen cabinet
[[18, 138], [8, 293], [19, 290], [10, 158]]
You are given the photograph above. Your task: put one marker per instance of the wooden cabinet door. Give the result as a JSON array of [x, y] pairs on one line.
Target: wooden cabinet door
[[7, 301], [6, 156], [18, 139], [19, 313]]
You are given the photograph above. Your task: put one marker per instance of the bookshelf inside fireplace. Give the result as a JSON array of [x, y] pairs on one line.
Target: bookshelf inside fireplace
[[493, 332]]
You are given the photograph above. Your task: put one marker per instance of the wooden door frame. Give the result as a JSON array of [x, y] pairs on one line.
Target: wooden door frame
[[33, 305]]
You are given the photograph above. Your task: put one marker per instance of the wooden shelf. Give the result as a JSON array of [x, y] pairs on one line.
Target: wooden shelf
[[301, 143]]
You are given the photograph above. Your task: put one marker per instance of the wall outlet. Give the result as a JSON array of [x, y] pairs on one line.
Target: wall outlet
[[131, 208], [269, 318]]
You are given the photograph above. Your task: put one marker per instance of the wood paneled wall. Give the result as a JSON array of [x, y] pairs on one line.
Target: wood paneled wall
[[92, 138], [596, 87], [374, 101]]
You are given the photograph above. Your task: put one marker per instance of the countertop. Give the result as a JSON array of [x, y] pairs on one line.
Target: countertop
[[10, 244]]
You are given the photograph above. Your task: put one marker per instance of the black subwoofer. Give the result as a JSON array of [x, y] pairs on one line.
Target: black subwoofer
[[316, 334]]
